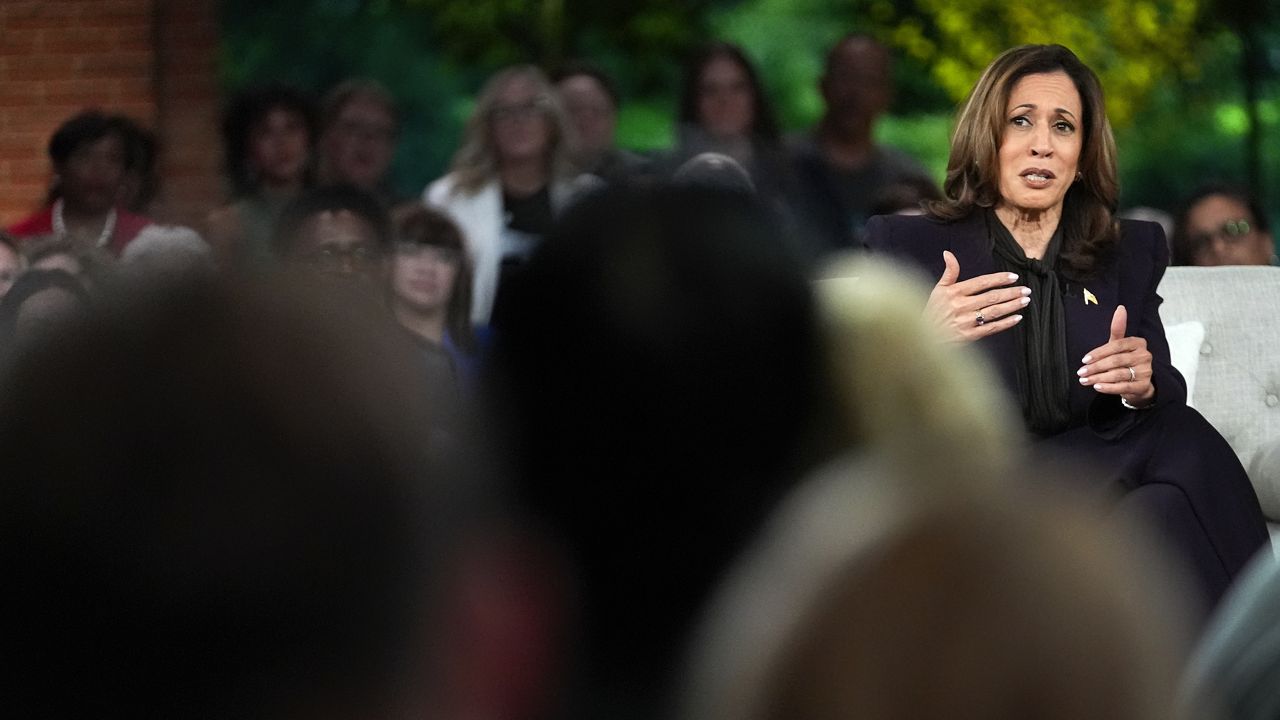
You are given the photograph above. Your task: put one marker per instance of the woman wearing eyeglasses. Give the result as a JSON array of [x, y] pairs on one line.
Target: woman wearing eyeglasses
[[1222, 225], [509, 179]]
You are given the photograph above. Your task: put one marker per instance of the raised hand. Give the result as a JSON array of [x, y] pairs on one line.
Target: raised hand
[[1122, 366], [977, 307]]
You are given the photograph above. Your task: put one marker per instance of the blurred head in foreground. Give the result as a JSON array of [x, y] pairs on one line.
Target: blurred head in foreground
[[1006, 606], [658, 369], [216, 503]]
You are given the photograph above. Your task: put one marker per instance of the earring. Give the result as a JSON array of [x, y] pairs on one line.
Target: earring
[[1079, 176]]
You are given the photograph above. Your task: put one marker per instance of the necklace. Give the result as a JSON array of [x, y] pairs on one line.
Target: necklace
[[60, 225]]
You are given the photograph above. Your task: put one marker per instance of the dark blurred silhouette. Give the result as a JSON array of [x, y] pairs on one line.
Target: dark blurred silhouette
[[659, 367], [217, 502]]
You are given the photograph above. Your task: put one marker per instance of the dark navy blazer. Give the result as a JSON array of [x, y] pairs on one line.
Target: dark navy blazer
[[1130, 280]]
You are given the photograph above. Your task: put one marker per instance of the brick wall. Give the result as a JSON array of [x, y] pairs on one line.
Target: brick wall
[[154, 60]]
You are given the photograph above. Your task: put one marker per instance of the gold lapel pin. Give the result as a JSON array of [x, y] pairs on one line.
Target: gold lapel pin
[[1090, 297]]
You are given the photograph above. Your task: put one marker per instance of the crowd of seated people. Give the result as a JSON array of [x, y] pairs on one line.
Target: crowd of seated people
[[579, 432]]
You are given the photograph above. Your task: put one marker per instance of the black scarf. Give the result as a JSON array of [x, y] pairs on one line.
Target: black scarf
[[1044, 379]]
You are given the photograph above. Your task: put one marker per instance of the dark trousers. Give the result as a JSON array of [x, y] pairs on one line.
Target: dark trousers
[[1178, 472]]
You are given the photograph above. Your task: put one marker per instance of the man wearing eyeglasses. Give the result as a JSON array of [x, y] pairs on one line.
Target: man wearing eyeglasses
[[339, 232], [1220, 225]]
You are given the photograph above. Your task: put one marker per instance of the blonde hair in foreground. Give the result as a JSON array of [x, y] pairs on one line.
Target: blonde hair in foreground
[[927, 406]]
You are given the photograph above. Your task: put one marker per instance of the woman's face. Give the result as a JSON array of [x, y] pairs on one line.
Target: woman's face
[[520, 128], [1043, 137], [726, 105], [92, 176], [423, 276], [278, 147], [1226, 233], [361, 144]]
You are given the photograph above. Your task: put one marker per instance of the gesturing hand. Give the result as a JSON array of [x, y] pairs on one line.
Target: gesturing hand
[[1122, 366], [977, 307]]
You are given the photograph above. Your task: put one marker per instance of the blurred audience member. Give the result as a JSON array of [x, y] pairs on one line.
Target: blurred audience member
[[10, 262], [590, 98], [217, 503], [905, 197], [1235, 674], [40, 303], [360, 124], [91, 159], [268, 135], [642, 433], [337, 231], [509, 179], [724, 109], [431, 287], [840, 168], [1221, 225]]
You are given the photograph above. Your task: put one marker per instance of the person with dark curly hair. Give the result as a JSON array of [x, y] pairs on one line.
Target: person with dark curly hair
[[269, 135], [91, 155]]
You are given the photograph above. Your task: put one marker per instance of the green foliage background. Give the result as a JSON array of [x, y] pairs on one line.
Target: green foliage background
[[1171, 68]]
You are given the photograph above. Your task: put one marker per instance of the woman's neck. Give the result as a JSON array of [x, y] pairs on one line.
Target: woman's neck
[[1031, 229], [424, 324], [523, 177]]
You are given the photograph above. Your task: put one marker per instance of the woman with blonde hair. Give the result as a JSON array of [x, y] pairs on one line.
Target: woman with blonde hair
[[510, 178]]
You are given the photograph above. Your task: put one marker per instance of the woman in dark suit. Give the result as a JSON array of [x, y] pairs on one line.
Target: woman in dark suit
[[1034, 266]]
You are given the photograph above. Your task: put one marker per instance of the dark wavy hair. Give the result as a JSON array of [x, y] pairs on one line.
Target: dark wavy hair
[[249, 109], [1185, 246], [1090, 231], [427, 226], [764, 127], [86, 128]]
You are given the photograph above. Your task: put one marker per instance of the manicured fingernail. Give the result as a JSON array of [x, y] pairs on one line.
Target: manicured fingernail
[[1026, 301], [1086, 359], [1013, 277], [1098, 388], [1082, 372], [1084, 381], [1026, 291]]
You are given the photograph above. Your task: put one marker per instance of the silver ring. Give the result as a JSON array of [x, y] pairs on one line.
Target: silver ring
[[1132, 375], [979, 320]]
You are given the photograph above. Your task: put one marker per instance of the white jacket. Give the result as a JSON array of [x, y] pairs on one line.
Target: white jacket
[[480, 217]]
